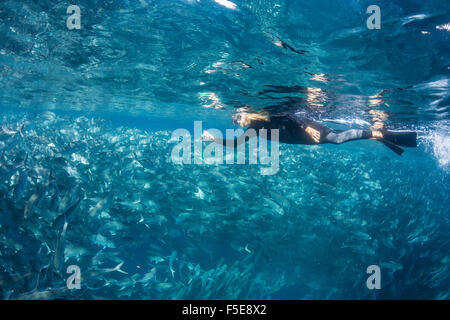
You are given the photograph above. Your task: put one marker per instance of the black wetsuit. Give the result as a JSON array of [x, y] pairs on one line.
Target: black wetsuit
[[292, 130]]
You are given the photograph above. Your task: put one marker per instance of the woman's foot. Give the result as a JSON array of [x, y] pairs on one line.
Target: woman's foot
[[377, 134]]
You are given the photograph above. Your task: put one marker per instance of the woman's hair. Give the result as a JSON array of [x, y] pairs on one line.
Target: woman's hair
[[261, 116], [250, 114]]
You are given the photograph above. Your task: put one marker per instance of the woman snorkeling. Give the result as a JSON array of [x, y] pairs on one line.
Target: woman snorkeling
[[297, 130]]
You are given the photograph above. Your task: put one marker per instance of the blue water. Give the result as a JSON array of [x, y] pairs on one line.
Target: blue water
[[87, 177]]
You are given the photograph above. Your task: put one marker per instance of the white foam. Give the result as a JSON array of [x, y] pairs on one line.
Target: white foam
[[226, 4], [439, 144], [415, 17]]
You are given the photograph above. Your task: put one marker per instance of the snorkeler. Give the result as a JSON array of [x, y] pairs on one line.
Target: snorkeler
[[297, 130]]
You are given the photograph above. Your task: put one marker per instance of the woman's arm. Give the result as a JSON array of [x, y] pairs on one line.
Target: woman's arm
[[206, 136]]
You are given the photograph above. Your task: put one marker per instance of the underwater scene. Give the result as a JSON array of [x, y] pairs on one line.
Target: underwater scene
[[110, 108]]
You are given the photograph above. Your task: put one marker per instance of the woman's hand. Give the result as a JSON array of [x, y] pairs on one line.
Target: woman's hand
[[206, 136], [315, 134]]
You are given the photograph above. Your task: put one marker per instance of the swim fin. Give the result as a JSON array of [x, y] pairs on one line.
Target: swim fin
[[393, 146], [394, 139], [401, 138]]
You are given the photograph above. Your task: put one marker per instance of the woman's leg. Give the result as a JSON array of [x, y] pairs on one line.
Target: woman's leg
[[338, 137], [322, 134]]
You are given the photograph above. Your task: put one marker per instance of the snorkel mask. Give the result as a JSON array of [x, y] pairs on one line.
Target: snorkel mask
[[236, 118]]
